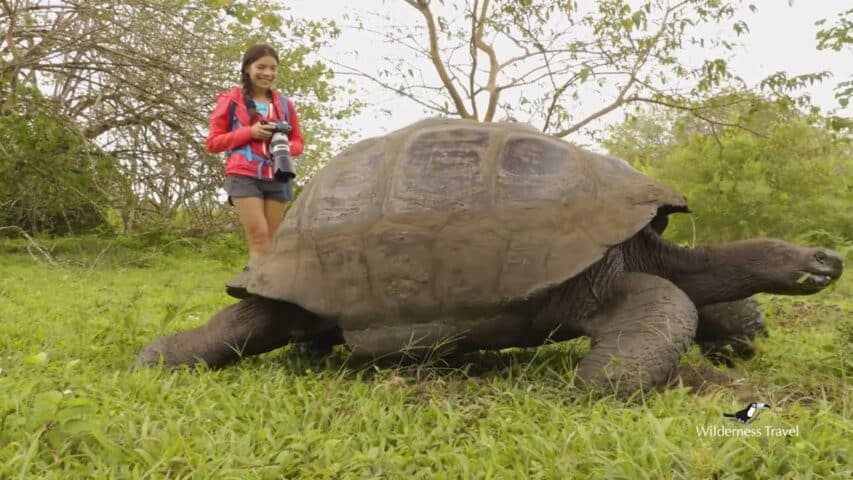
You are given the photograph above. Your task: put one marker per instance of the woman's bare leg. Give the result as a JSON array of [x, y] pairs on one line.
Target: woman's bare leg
[[274, 213], [251, 212]]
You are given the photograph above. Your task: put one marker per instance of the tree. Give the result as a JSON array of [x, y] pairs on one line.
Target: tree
[[137, 79], [564, 64], [50, 179], [793, 180]]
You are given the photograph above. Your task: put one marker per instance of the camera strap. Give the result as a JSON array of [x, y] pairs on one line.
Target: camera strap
[[232, 112]]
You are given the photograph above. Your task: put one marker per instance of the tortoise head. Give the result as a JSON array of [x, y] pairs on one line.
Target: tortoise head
[[790, 269]]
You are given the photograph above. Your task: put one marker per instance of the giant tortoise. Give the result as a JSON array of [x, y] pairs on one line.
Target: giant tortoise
[[487, 236]]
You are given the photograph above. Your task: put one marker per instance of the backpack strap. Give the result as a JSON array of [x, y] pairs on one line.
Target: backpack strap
[[246, 150], [232, 114], [284, 109]]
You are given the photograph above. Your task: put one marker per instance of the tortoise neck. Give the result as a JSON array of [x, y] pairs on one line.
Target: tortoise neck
[[707, 274]]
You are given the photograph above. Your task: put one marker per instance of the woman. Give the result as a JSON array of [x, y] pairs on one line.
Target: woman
[[238, 127]]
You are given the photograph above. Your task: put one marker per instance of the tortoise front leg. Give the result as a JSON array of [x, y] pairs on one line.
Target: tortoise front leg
[[250, 327], [638, 339], [726, 330]]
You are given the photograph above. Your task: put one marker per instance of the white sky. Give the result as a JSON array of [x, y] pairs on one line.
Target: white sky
[[781, 37]]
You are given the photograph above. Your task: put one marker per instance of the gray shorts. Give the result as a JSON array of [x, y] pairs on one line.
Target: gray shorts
[[241, 186]]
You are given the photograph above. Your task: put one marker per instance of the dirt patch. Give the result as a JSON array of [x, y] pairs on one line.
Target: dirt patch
[[785, 313]]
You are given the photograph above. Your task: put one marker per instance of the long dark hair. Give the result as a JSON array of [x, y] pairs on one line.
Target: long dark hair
[[251, 56]]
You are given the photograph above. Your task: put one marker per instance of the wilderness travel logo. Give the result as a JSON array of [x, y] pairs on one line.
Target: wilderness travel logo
[[747, 414], [744, 417]]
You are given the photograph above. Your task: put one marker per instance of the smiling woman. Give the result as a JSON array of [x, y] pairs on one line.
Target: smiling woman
[[241, 126]]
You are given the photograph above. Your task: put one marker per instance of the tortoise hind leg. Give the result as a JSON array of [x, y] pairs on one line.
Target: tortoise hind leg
[[322, 344], [726, 330], [638, 340], [249, 327]]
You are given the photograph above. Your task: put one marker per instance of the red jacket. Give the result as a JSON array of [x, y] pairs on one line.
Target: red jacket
[[239, 142]]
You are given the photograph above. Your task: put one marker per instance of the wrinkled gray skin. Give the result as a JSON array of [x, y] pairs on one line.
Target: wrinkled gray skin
[[638, 305], [726, 331]]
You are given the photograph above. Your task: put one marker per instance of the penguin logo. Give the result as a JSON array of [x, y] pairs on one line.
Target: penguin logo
[[747, 414]]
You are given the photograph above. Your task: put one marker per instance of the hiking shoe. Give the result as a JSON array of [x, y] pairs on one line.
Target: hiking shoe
[[236, 287]]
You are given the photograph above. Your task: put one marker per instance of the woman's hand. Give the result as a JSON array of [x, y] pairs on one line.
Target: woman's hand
[[261, 131]]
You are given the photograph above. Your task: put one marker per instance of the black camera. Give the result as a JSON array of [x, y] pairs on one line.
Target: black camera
[[280, 151]]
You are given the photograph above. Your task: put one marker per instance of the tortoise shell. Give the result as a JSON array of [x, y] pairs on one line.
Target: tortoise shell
[[449, 216]]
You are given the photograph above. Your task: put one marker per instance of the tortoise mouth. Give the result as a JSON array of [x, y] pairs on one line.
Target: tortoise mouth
[[815, 281], [824, 269]]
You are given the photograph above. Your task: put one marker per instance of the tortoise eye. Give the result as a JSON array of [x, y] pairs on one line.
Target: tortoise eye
[[820, 257]]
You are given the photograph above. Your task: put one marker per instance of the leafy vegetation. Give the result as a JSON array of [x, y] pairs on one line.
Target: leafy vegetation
[[51, 180], [71, 407], [761, 168]]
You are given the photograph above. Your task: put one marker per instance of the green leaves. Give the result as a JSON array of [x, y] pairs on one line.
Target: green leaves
[[740, 27], [838, 36], [51, 178], [759, 167], [714, 73]]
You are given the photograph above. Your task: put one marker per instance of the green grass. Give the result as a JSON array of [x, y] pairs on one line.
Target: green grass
[[71, 408]]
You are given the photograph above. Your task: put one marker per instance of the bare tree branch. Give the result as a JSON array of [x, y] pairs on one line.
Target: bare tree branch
[[642, 58], [549, 60], [491, 86], [472, 75], [696, 112], [400, 91], [435, 55]]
